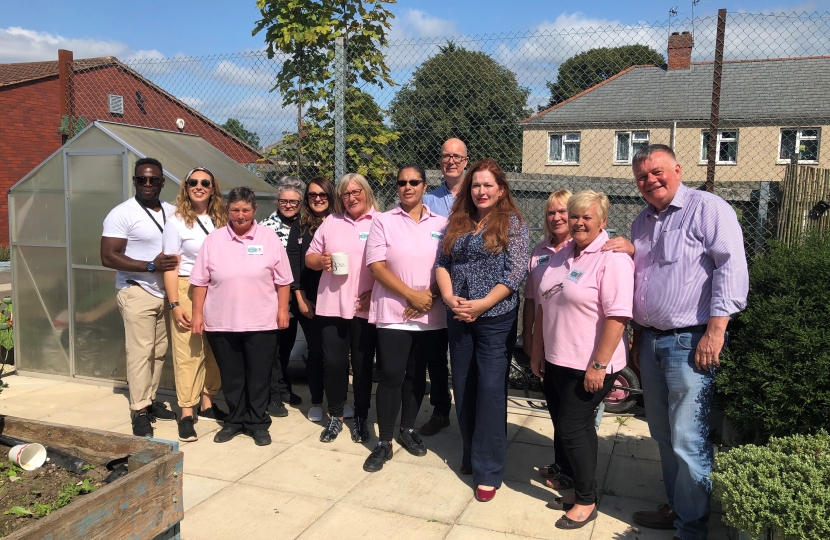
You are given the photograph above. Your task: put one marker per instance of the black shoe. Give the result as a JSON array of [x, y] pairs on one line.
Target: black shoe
[[261, 437], [142, 425], [186, 431], [380, 455], [412, 442], [214, 413], [159, 411], [360, 430], [277, 408], [295, 400], [333, 429], [227, 433]]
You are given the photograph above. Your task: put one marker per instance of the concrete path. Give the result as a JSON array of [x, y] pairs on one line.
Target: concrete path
[[301, 488]]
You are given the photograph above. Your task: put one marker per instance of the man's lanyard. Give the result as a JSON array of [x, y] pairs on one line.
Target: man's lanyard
[[156, 223]]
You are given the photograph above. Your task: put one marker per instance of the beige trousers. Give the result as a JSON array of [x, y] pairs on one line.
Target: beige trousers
[[193, 362], [145, 332]]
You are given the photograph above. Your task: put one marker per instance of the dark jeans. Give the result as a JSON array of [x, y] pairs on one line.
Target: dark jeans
[[402, 357], [245, 360], [345, 339], [439, 375], [280, 383], [480, 355], [575, 423], [312, 329], [559, 457]]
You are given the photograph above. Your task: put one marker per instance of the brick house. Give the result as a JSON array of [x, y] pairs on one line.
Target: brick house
[[43, 103]]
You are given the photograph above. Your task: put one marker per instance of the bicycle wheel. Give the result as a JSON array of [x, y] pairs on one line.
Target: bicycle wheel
[[618, 400]]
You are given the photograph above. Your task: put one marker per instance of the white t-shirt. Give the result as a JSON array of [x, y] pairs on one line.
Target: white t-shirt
[[184, 241], [129, 220]]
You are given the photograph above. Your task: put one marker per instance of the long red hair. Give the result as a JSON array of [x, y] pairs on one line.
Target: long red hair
[[464, 214]]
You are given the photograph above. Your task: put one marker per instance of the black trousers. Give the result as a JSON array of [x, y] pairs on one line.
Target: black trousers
[[280, 382], [343, 340], [245, 360], [439, 375], [402, 357], [559, 457], [572, 408], [313, 330]]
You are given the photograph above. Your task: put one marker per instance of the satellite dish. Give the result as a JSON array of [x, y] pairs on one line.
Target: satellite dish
[[180, 123]]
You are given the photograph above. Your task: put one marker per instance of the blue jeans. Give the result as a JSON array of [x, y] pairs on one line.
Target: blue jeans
[[678, 399]]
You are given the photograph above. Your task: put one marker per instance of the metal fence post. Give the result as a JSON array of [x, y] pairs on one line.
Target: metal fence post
[[763, 217], [339, 108]]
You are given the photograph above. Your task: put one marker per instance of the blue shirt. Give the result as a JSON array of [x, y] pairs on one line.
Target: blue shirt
[[440, 200]]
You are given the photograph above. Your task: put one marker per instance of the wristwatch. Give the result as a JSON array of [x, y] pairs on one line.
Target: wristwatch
[[151, 267], [597, 366], [171, 305]]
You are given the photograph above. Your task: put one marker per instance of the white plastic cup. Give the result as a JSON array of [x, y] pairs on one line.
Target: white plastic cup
[[340, 264], [28, 456]]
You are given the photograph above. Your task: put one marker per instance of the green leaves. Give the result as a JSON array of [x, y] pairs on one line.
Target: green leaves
[[238, 129], [18, 511]]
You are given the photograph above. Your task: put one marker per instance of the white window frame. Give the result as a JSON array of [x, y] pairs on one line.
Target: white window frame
[[564, 134], [704, 158], [631, 141], [798, 138]]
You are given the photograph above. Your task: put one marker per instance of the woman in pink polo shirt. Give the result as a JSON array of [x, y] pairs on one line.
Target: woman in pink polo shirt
[[343, 304], [403, 245], [241, 281], [584, 300]]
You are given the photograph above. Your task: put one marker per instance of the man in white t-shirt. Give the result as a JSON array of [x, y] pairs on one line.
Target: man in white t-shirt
[[132, 244]]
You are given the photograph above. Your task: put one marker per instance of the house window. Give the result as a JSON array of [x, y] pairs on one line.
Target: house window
[[805, 139], [564, 148], [628, 143], [727, 147]]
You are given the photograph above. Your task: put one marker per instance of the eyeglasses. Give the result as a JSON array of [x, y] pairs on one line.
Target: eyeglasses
[[413, 183], [288, 202], [154, 180], [321, 196], [553, 290], [349, 194], [454, 157], [205, 183]]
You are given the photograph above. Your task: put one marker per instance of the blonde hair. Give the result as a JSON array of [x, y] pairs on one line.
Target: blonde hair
[[343, 184], [561, 196], [216, 209], [585, 199]]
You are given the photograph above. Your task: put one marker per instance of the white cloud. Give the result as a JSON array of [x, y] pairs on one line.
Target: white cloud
[[24, 45], [262, 75], [416, 23]]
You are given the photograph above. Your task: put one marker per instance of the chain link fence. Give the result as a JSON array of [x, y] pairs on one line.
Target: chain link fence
[[560, 107]]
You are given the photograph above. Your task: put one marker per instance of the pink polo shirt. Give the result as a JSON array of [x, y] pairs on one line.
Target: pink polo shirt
[[536, 266], [410, 250], [337, 295], [241, 275], [582, 292]]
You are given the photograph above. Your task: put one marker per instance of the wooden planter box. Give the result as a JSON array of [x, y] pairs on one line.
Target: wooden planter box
[[146, 504]]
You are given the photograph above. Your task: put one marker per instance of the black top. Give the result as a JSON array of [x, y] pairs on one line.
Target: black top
[[305, 279]]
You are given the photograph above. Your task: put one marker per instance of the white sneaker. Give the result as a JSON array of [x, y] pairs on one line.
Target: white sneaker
[[315, 413], [348, 412]]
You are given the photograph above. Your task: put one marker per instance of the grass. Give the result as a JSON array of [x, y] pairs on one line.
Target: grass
[[5, 252]]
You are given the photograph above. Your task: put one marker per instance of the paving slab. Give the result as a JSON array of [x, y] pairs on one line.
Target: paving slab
[[228, 461], [197, 489], [636, 479], [352, 522], [464, 532]]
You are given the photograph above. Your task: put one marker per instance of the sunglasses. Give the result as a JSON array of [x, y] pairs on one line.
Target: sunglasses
[[205, 183], [287, 202], [321, 196], [413, 183], [142, 180]]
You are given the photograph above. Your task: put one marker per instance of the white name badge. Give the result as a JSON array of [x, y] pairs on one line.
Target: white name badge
[[255, 250], [436, 235], [575, 275], [543, 259], [363, 236]]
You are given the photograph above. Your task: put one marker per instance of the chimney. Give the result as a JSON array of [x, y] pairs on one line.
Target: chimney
[[680, 50], [65, 72]]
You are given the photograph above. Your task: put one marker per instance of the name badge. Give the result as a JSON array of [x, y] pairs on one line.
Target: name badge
[[436, 235], [363, 236], [543, 259], [575, 275], [255, 250]]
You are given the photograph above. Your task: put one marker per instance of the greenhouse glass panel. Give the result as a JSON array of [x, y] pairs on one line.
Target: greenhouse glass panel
[[96, 186], [149, 143], [38, 217], [95, 139], [48, 176], [99, 328]]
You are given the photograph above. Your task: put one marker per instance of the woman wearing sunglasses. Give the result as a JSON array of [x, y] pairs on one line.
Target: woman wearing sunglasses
[[289, 197], [318, 203], [199, 210], [343, 304], [401, 251]]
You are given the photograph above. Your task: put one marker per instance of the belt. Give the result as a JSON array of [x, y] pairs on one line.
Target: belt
[[672, 331]]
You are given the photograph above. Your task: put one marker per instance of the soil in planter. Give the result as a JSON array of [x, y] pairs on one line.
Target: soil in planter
[[29, 495]]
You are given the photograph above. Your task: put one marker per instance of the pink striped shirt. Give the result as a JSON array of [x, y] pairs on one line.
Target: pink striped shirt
[[409, 249], [241, 275], [337, 295]]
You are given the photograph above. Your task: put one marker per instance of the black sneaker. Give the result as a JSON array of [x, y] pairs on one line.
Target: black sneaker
[[227, 433], [360, 430], [277, 408], [186, 431], [410, 440], [159, 411], [142, 425], [261, 437], [333, 429], [294, 399], [214, 413], [380, 455]]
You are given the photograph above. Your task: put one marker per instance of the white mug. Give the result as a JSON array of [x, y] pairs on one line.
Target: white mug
[[340, 264]]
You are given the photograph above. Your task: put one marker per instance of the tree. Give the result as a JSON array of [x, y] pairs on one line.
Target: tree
[[464, 94], [238, 129], [591, 67]]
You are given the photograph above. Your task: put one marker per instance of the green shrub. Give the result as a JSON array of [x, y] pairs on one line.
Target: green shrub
[[775, 375], [783, 486]]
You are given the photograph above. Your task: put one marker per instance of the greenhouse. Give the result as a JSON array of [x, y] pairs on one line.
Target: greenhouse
[[66, 317]]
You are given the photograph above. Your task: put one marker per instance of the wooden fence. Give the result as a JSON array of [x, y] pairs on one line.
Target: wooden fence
[[805, 201]]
